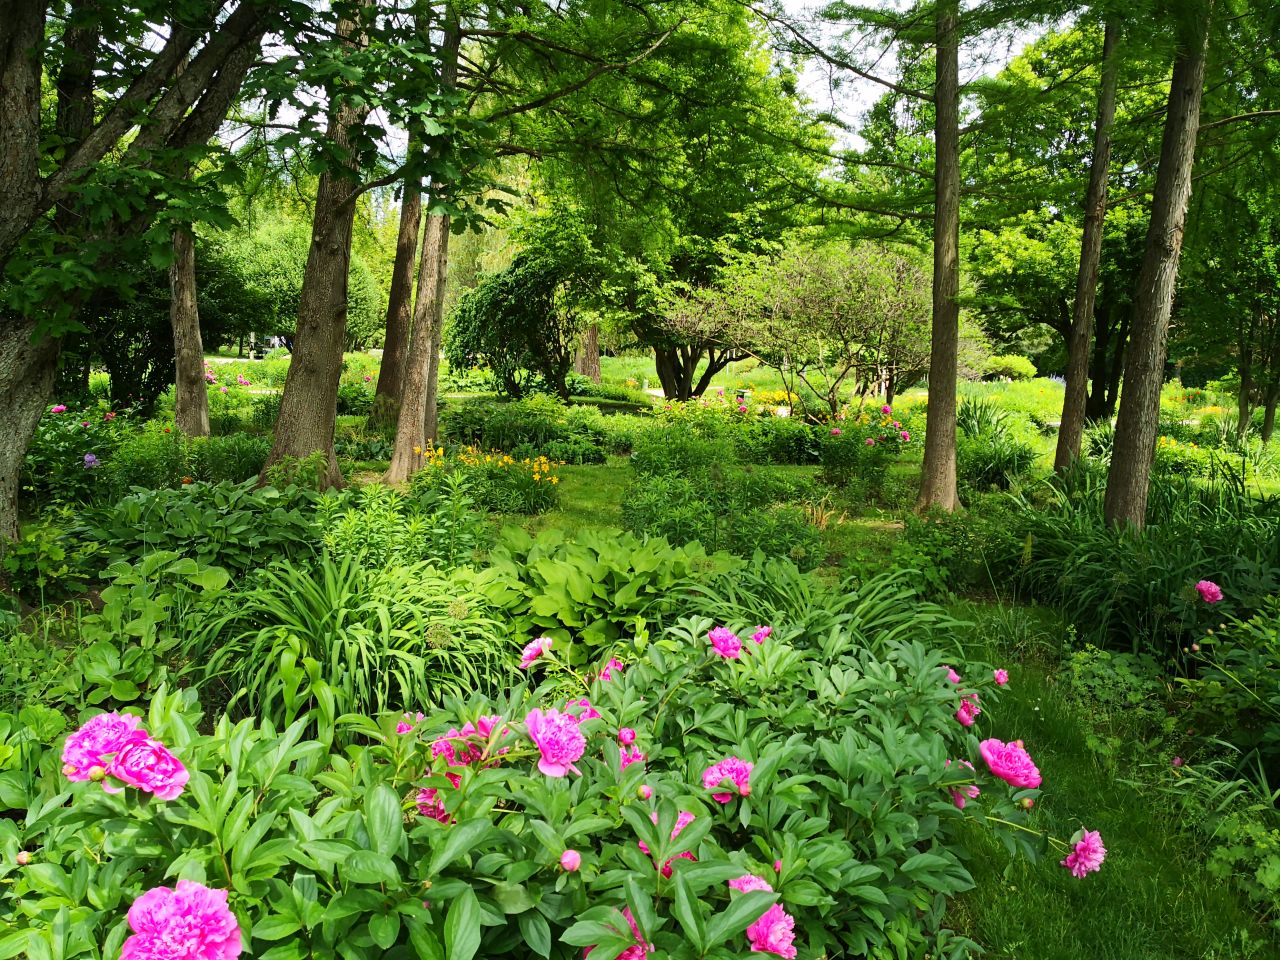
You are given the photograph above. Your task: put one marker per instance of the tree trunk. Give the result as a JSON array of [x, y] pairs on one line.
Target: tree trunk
[[411, 436], [191, 398], [938, 476], [395, 346], [587, 361], [431, 417], [1244, 406], [309, 406], [1138, 424], [22, 29], [1269, 410], [1071, 429], [27, 372]]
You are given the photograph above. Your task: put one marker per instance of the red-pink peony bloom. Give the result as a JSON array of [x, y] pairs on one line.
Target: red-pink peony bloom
[[629, 756], [1001, 677], [97, 742], [409, 722], [969, 710], [609, 669], [1010, 762], [1177, 762], [749, 882], [148, 765], [963, 794], [1088, 854], [871, 441], [762, 634], [1209, 591], [558, 739], [570, 860], [682, 820], [638, 952], [777, 866], [646, 791], [588, 711], [886, 410], [58, 408], [431, 804], [626, 736], [774, 933], [836, 431], [952, 676], [733, 769], [190, 921], [906, 436], [534, 650], [726, 643]]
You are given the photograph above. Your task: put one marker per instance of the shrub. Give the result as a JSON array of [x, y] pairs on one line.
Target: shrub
[[266, 411], [495, 481], [853, 817], [48, 563], [379, 526], [993, 460], [777, 440], [155, 457], [64, 462], [1011, 367], [858, 450], [237, 457], [535, 426], [671, 450]]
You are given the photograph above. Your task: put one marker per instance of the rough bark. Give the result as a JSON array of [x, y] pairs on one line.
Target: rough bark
[[938, 475], [431, 418], [1269, 410], [1071, 429], [395, 345], [678, 368], [22, 25], [1244, 399], [27, 372], [191, 398], [1137, 426], [411, 435], [309, 406], [587, 360]]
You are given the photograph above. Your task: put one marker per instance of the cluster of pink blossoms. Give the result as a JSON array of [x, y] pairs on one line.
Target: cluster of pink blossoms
[[190, 921], [683, 819], [969, 709], [637, 952], [1088, 854], [114, 746], [727, 643], [409, 722], [1209, 591], [460, 748], [963, 794], [732, 769], [533, 650], [609, 669]]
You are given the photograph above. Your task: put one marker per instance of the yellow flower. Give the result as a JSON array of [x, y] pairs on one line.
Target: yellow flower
[[555, 479], [417, 450]]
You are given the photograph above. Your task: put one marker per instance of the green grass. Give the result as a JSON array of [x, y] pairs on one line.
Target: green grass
[[590, 496], [1152, 900]]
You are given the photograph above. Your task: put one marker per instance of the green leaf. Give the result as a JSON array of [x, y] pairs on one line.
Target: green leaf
[[384, 928], [275, 928], [512, 897], [462, 927], [685, 909], [536, 932], [384, 820], [369, 866], [460, 837]]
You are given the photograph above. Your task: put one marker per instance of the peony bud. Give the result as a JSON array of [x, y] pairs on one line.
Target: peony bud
[[646, 791], [23, 858], [97, 774], [1026, 803], [570, 860], [626, 736], [1195, 648]]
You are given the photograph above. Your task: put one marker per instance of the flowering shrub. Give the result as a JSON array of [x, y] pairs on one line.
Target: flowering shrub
[[797, 798], [495, 481], [69, 445], [860, 448]]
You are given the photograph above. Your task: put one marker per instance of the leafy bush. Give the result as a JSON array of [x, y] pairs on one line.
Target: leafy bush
[[64, 461], [850, 814], [858, 450], [993, 460], [354, 398], [538, 426], [1012, 367], [494, 481], [777, 440], [670, 450], [400, 637], [379, 526], [234, 458], [48, 563]]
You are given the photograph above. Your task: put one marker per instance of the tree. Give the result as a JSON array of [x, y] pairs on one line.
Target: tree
[[1139, 419], [395, 344], [191, 399]]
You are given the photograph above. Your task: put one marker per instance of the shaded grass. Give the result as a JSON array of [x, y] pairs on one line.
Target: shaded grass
[[590, 496], [1153, 899]]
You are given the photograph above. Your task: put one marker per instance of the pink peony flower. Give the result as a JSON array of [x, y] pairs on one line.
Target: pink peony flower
[[726, 643], [969, 710], [897, 425], [886, 410], [749, 882], [906, 436], [588, 711], [871, 441], [58, 408], [409, 722], [403, 727], [1088, 854], [628, 757], [646, 791], [431, 804], [190, 921], [148, 765], [22, 858], [570, 860], [682, 820], [240, 379], [97, 742], [1010, 762], [533, 651], [963, 794], [609, 669], [742, 408], [836, 431], [733, 769], [1209, 591], [762, 634], [638, 952], [558, 739], [1002, 677], [777, 866], [774, 932], [626, 736], [1176, 762], [952, 676]]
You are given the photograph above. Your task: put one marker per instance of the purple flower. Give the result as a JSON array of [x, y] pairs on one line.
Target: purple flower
[[90, 461]]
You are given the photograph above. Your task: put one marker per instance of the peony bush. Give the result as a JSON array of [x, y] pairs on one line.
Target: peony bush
[[795, 793]]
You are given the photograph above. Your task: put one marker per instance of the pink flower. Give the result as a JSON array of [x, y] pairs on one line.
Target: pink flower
[[897, 425], [906, 436], [742, 408], [963, 794], [773, 933], [871, 441], [403, 727], [223, 389], [749, 882], [609, 669], [570, 860], [1088, 854], [533, 651], [109, 415], [777, 866], [1176, 762], [886, 410], [628, 757], [558, 739], [969, 710], [431, 804], [58, 408], [1002, 677], [97, 742], [240, 379], [952, 676], [409, 722], [682, 820], [190, 921], [733, 769], [148, 765], [762, 634], [638, 952], [1209, 591], [726, 643], [836, 431], [588, 711], [626, 736], [22, 858], [1010, 762], [646, 791]]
